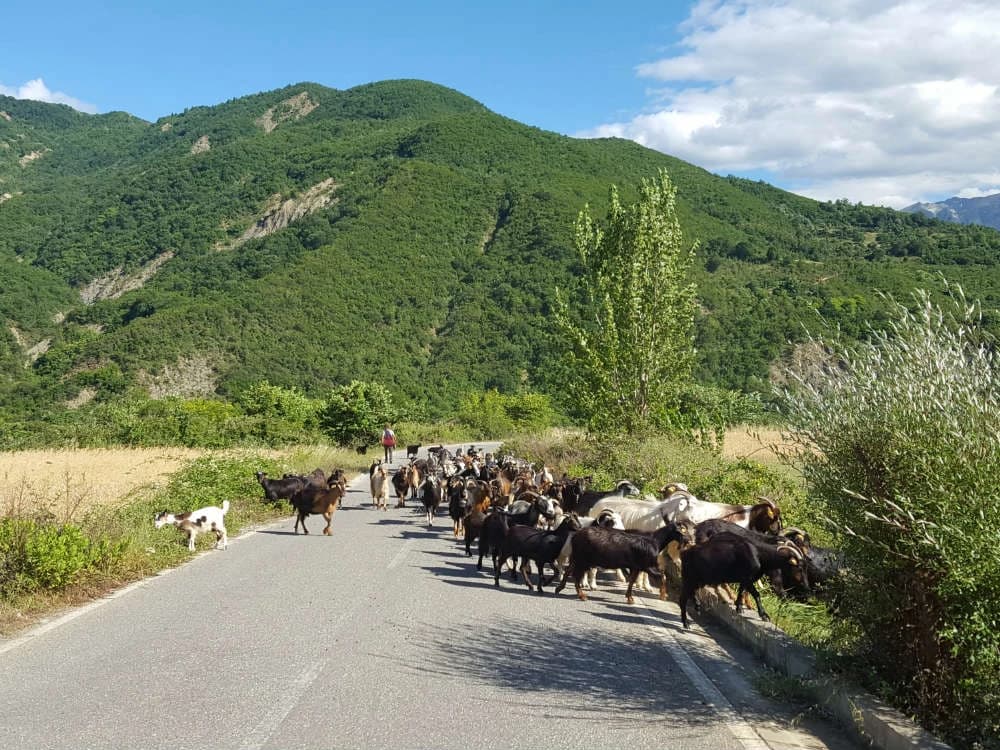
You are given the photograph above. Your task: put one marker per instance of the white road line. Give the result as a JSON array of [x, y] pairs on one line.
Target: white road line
[[400, 556], [290, 697], [273, 718], [745, 734]]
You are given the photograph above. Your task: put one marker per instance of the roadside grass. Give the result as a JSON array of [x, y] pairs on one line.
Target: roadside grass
[[122, 543]]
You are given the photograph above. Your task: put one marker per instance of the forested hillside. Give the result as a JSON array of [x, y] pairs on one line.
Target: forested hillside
[[396, 232]]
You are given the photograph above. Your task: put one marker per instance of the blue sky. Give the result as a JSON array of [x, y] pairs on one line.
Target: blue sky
[[881, 101]]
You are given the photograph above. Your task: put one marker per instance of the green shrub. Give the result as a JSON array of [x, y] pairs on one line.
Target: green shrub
[[14, 578], [899, 439], [493, 414], [38, 555], [355, 414], [56, 554], [277, 415]]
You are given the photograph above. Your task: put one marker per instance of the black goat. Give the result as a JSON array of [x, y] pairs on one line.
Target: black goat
[[458, 504], [823, 563], [729, 558], [572, 491], [431, 493], [491, 538], [636, 552], [280, 489], [534, 545], [783, 580]]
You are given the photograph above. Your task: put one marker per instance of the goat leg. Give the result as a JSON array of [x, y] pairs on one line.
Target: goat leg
[[562, 582], [663, 585], [526, 563], [760, 607], [632, 576], [740, 592]]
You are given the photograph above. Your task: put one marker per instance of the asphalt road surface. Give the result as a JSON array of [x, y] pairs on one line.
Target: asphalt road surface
[[383, 635]]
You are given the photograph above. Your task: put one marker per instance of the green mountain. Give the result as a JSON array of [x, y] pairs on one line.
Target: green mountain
[[397, 231]]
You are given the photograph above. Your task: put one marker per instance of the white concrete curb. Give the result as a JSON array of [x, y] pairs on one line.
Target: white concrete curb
[[871, 719]]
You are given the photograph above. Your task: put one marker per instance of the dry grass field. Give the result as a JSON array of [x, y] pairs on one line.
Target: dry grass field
[[756, 443], [67, 483]]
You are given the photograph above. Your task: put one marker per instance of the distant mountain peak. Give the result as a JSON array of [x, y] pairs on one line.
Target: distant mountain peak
[[984, 210]]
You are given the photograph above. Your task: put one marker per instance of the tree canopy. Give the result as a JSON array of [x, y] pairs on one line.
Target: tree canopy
[[630, 349]]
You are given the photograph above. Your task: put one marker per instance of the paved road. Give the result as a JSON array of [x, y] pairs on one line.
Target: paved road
[[382, 636]]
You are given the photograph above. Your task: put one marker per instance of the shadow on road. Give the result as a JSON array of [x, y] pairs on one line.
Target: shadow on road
[[591, 667]]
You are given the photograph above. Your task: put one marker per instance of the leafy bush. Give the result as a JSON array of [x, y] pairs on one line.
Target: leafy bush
[[705, 412], [494, 414], [14, 577], [283, 413], [55, 555], [899, 439], [35, 555], [355, 414]]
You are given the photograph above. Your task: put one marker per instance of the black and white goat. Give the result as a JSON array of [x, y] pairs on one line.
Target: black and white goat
[[210, 518]]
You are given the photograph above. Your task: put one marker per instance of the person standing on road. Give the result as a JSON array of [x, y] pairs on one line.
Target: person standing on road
[[388, 442]]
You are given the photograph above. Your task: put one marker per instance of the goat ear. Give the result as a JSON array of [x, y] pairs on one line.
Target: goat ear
[[770, 513]]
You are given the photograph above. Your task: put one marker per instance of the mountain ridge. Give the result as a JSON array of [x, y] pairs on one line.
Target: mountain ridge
[[441, 245], [984, 210]]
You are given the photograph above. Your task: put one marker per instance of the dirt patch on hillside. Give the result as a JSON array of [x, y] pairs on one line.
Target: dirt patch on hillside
[[85, 396], [28, 158], [294, 108], [31, 351], [116, 282], [279, 213], [188, 377], [201, 145]]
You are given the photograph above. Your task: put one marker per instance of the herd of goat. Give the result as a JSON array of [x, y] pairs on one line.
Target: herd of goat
[[520, 516]]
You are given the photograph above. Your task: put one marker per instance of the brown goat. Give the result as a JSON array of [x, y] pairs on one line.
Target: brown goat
[[314, 500]]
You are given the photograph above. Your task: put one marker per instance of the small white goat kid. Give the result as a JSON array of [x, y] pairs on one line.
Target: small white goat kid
[[211, 518]]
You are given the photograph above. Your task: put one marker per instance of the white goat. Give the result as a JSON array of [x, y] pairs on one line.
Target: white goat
[[210, 518], [379, 486]]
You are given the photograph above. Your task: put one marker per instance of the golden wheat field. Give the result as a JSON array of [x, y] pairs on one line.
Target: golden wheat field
[[756, 443], [69, 482]]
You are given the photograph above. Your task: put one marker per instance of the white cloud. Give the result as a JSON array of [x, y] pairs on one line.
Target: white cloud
[[878, 101], [38, 91]]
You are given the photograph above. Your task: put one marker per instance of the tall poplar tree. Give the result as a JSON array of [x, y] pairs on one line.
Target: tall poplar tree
[[630, 346]]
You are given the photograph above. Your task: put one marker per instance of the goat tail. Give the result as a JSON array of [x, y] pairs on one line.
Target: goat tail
[[225, 507]]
